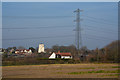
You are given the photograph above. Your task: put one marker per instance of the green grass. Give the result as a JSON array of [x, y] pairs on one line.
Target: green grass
[[110, 75], [99, 71], [60, 72], [115, 66]]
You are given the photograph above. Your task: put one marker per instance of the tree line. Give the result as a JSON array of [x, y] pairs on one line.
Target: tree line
[[107, 54]]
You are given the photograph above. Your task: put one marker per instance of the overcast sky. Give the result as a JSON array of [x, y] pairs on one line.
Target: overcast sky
[[30, 23]]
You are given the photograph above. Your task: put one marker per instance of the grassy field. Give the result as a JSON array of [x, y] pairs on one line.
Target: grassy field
[[61, 71]]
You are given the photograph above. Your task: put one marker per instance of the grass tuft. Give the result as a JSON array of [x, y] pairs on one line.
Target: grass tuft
[[99, 71], [115, 66]]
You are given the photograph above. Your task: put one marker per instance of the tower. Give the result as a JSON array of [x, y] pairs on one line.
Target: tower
[[41, 48], [78, 29]]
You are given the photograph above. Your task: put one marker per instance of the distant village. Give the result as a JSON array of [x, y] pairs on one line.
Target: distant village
[[109, 53], [56, 52], [19, 53]]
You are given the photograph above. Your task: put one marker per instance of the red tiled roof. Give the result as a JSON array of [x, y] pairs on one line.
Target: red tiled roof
[[64, 54], [17, 50], [22, 49]]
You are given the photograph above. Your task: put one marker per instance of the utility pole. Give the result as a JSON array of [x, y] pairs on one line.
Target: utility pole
[[105, 56], [78, 30], [98, 55]]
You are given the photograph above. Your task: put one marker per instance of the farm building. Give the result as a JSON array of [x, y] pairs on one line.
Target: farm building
[[60, 55]]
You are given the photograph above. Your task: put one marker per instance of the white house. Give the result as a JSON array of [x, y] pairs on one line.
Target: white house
[[23, 51], [41, 48], [60, 55], [52, 56]]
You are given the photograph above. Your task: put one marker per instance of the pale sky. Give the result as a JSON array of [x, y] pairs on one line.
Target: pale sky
[[30, 23]]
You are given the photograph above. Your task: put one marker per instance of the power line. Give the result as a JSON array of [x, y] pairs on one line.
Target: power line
[[41, 17], [102, 19], [101, 28], [101, 22], [39, 37], [101, 31], [94, 37], [37, 17], [89, 37], [34, 27]]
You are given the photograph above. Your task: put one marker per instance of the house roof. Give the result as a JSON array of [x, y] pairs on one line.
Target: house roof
[[22, 49], [64, 54]]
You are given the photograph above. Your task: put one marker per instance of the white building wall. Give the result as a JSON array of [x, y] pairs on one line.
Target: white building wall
[[41, 48], [52, 56], [16, 51], [30, 51], [66, 57], [25, 51]]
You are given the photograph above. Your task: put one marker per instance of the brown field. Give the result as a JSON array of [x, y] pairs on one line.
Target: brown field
[[61, 71]]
